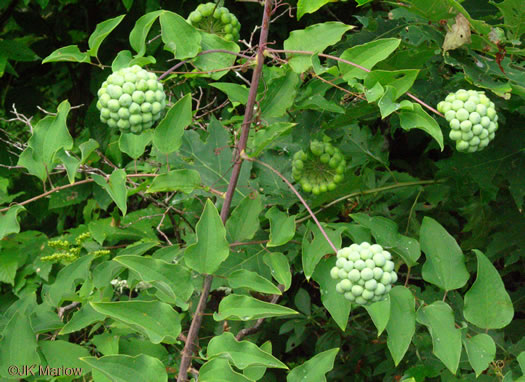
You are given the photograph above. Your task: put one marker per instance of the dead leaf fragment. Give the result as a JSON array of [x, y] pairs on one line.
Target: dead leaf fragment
[[458, 34]]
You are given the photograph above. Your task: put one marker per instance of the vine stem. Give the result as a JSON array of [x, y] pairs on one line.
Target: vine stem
[[196, 322], [90, 180], [354, 65], [290, 185], [373, 191]]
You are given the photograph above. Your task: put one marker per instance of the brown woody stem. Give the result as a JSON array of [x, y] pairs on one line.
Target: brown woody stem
[[189, 346]]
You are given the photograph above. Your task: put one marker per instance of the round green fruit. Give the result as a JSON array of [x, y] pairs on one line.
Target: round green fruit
[[211, 18], [472, 113], [125, 100]]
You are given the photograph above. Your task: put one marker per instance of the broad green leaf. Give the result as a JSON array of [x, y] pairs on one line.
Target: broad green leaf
[[168, 134], [235, 92], [279, 96], [315, 369], [154, 271], [219, 370], [18, 345], [44, 319], [400, 80], [8, 264], [49, 136], [86, 148], [513, 17], [82, 318], [213, 62], [67, 53], [243, 278], [380, 314], [419, 119], [102, 30], [257, 372], [309, 6], [366, 55], [9, 222], [446, 339], [17, 49], [445, 263], [241, 353], [280, 268], [487, 303], [67, 280], [115, 187], [138, 248], [176, 180], [124, 368], [244, 220], [70, 163], [336, 304], [244, 308], [264, 137], [387, 104], [135, 346], [134, 145], [179, 37], [315, 246], [106, 343], [303, 302], [375, 92], [481, 351], [139, 33], [155, 319], [315, 38], [211, 248], [402, 323], [521, 361], [386, 234], [59, 353], [282, 227]]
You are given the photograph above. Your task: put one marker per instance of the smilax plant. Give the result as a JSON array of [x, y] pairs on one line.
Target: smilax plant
[[185, 200]]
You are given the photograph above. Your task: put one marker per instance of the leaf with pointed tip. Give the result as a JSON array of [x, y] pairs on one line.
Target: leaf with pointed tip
[[245, 308], [280, 268], [168, 134], [336, 304], [487, 303], [243, 222], [69, 53], [243, 278], [102, 30], [241, 353], [402, 323], [481, 351], [175, 180], [446, 338], [139, 33], [282, 227], [219, 370], [179, 36], [315, 246], [211, 248], [445, 263], [135, 144], [115, 187], [155, 319], [315, 369], [417, 118], [124, 368], [9, 222]]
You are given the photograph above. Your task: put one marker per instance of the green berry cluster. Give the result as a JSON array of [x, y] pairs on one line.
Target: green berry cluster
[[214, 19], [366, 273], [320, 169], [131, 99], [472, 117]]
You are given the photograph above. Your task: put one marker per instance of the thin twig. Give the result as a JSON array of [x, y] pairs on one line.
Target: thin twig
[[354, 65], [290, 185], [372, 191]]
